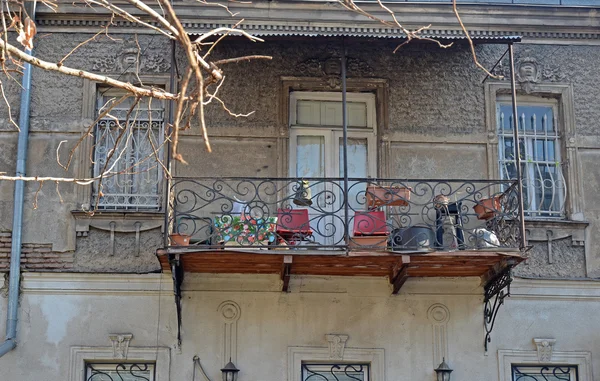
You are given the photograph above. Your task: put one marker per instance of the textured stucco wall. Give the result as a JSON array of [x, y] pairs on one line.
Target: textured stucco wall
[[435, 107]]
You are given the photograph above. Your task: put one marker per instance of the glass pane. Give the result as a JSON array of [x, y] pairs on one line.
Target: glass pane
[[120, 372], [335, 372], [310, 156], [544, 373], [358, 164], [329, 113], [532, 119]]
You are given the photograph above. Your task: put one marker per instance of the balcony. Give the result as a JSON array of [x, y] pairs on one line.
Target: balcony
[[377, 227]]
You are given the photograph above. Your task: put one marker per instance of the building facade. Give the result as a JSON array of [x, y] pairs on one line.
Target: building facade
[[297, 269]]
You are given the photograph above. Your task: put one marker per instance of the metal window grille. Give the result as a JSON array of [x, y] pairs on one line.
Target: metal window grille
[[134, 180], [544, 185], [544, 373], [335, 372], [119, 372]]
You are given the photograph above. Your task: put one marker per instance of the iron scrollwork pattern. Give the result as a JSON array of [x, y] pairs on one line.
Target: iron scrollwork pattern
[[544, 373], [120, 372], [335, 372], [495, 292], [412, 216]]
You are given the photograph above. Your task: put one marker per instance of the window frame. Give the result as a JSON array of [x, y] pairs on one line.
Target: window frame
[[85, 169], [572, 369], [565, 120], [508, 358], [525, 100], [128, 207], [374, 357], [81, 356]]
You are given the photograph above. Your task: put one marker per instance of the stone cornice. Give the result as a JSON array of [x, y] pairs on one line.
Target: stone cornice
[[278, 18]]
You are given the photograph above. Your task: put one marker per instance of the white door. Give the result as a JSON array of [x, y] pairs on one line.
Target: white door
[[316, 151]]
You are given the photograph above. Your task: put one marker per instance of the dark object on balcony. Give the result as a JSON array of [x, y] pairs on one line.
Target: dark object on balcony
[[370, 223], [180, 239], [293, 225], [451, 210], [412, 238], [487, 207], [303, 194], [378, 196]]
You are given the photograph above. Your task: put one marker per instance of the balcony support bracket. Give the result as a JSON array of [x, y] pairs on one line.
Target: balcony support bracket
[[399, 274], [177, 273], [286, 269], [495, 290]]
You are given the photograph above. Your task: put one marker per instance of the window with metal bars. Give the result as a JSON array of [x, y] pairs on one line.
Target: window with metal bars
[[544, 373], [128, 148], [119, 371], [335, 372], [544, 185]]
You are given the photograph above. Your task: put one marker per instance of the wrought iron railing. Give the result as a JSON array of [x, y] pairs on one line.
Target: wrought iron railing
[[383, 214]]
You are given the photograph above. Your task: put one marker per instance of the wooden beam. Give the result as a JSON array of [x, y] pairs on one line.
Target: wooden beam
[[286, 269], [496, 269], [399, 274]]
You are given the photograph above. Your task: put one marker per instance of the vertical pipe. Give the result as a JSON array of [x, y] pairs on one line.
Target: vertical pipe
[[168, 180], [513, 88], [12, 312], [345, 145]]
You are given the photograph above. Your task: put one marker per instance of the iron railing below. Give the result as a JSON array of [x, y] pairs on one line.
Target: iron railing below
[[383, 214]]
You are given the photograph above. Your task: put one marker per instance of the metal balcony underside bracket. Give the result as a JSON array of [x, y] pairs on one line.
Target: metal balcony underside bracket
[[286, 269], [495, 291], [177, 273]]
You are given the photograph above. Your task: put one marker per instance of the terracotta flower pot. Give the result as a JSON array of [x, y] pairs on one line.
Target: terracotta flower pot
[[378, 196], [487, 208], [180, 239]]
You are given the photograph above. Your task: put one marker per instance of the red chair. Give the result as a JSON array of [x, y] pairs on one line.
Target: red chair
[[370, 223], [293, 225]]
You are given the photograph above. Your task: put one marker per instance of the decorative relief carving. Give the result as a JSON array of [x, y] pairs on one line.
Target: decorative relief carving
[[337, 344], [542, 231], [330, 67], [230, 313], [120, 344], [545, 347], [439, 315], [126, 62], [529, 72]]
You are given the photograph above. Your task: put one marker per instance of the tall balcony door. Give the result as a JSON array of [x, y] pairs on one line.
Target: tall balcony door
[[316, 151]]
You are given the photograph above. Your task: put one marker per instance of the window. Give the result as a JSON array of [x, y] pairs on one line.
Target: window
[[119, 363], [317, 149], [544, 185], [544, 373], [335, 372], [128, 145], [119, 372]]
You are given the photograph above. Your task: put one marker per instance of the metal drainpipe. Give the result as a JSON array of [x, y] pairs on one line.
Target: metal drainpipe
[[15, 256]]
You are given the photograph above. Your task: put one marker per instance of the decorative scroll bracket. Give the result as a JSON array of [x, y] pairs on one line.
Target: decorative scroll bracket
[[496, 289], [177, 273]]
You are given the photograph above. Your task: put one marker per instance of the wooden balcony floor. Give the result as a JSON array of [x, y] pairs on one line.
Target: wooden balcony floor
[[374, 263]]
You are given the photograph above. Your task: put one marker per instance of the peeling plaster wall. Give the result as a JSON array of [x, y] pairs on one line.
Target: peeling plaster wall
[[435, 107], [268, 323]]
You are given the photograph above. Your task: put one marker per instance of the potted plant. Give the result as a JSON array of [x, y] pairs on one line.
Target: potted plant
[[178, 239], [488, 207], [378, 196]]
